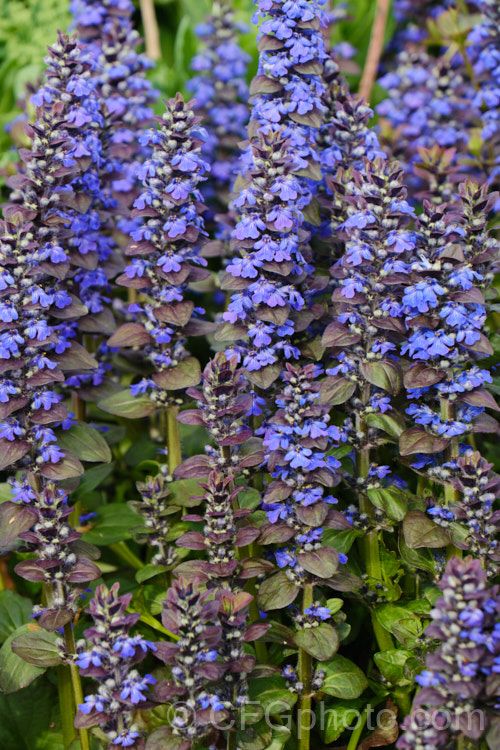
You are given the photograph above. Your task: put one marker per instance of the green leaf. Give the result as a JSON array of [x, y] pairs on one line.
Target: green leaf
[[138, 604], [420, 531], [404, 624], [149, 571], [86, 443], [272, 694], [182, 492], [15, 673], [255, 737], [384, 374], [14, 611], [393, 500], [321, 642], [249, 498], [336, 717], [27, 720], [123, 404], [343, 679], [392, 424], [277, 592], [37, 647], [92, 479], [391, 665], [113, 524]]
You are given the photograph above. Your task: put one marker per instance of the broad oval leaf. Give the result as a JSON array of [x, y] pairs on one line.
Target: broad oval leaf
[[86, 443], [277, 591], [343, 679], [321, 642], [124, 404]]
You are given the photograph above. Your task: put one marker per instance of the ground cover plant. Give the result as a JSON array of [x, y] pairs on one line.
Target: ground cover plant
[[248, 355]]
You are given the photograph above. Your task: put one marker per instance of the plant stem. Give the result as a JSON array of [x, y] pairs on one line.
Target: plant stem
[[173, 439], [370, 540], [356, 734], [151, 32], [125, 553], [375, 49], [65, 691], [68, 683], [76, 682], [305, 677]]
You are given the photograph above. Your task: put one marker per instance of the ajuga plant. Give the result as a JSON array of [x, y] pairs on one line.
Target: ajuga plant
[[223, 403], [165, 257], [220, 90], [320, 461], [459, 686], [270, 261], [111, 183], [37, 347], [367, 326], [108, 654], [36, 343], [208, 684]]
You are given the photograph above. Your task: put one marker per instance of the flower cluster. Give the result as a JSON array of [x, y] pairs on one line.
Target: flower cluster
[[192, 615], [367, 303], [109, 655], [221, 92], [471, 476], [209, 661], [445, 311], [221, 534], [165, 248], [461, 675], [428, 104], [59, 563], [288, 88], [37, 309], [126, 96], [110, 182], [270, 255], [223, 404], [156, 511], [298, 438], [485, 38]]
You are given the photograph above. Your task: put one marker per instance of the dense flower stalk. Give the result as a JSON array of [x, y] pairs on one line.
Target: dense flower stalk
[[445, 310], [270, 259], [298, 437], [485, 40], [60, 563], [156, 510], [109, 655], [223, 404], [460, 679], [165, 248], [221, 94], [38, 310], [109, 42], [288, 86], [429, 103], [478, 487]]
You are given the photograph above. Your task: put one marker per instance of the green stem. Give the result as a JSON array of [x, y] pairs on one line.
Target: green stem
[[370, 540], [305, 677], [65, 690], [402, 699], [76, 682], [356, 734], [125, 553], [68, 683], [173, 439]]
